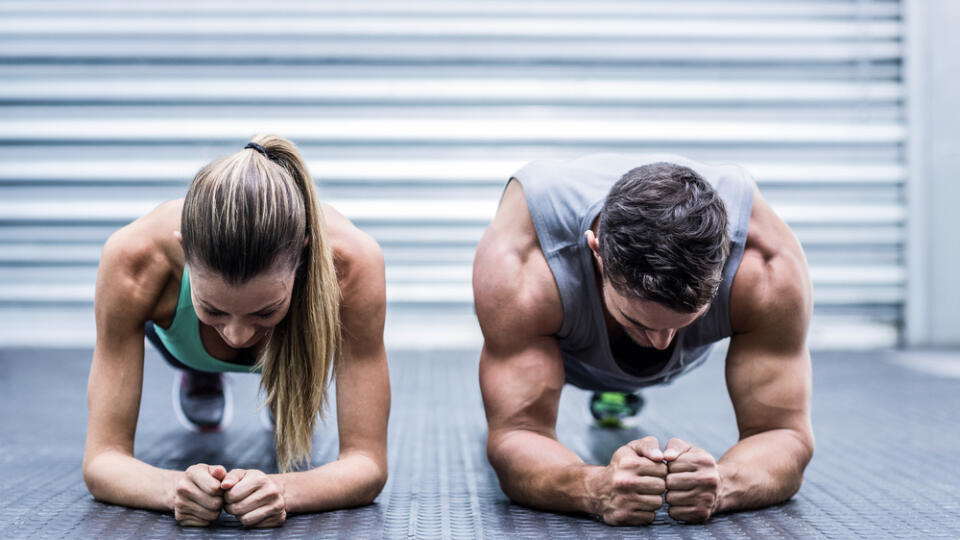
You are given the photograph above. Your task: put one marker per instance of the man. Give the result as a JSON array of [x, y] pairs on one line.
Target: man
[[613, 273]]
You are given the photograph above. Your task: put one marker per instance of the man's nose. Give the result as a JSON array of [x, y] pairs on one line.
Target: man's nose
[[660, 339]]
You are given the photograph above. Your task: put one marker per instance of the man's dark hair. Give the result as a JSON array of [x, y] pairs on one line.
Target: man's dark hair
[[663, 237]]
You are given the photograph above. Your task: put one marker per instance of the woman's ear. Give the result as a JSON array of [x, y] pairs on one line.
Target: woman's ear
[[179, 237]]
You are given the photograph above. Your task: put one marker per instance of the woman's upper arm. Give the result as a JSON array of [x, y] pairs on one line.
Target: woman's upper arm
[[363, 379], [125, 295]]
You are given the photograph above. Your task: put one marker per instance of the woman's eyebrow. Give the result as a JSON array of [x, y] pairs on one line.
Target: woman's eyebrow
[[210, 307]]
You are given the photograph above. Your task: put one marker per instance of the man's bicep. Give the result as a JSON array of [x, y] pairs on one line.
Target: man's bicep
[[521, 386], [769, 386]]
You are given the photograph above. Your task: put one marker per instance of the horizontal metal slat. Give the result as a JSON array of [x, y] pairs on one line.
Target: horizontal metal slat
[[439, 50], [433, 171], [449, 130], [700, 8], [384, 28], [414, 210], [434, 90]]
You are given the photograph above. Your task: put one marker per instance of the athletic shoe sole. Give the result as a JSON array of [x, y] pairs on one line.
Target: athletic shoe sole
[[182, 417]]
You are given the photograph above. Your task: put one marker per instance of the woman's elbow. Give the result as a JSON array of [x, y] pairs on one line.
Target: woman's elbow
[[371, 485]]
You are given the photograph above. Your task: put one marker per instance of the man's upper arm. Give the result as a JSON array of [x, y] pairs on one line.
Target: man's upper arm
[[768, 364], [521, 370]]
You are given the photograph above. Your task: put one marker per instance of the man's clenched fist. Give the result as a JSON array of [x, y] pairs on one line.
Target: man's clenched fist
[[630, 490], [693, 482]]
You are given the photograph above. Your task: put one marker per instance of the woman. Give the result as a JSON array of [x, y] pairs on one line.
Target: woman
[[248, 273]]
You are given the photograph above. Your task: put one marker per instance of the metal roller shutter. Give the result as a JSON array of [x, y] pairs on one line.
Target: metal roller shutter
[[413, 114]]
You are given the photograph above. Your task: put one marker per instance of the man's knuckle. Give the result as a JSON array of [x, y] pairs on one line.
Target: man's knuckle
[[622, 482], [651, 503]]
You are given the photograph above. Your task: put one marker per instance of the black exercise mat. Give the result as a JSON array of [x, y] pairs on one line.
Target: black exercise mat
[[887, 443]]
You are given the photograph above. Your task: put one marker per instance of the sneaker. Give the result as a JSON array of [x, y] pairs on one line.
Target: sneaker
[[202, 401], [610, 409]]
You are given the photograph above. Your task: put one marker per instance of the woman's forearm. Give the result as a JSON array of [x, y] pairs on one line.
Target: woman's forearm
[[353, 480], [122, 479]]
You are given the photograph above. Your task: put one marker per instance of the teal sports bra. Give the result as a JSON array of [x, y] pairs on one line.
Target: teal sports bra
[[183, 340]]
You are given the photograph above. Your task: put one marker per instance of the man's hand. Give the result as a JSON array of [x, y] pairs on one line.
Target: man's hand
[[198, 497], [693, 482], [630, 490], [254, 497]]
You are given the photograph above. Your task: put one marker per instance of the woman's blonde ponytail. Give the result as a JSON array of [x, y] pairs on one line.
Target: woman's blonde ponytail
[[243, 214]]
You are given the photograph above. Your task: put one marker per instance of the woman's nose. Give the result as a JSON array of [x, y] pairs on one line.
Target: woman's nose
[[237, 335]]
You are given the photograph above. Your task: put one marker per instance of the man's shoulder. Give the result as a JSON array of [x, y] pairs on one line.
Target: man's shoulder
[[771, 290], [513, 286]]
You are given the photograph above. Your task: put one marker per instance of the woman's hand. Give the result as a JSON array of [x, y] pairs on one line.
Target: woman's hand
[[254, 498], [199, 498]]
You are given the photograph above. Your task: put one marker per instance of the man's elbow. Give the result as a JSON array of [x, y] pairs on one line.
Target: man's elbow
[[804, 454], [93, 478], [497, 455]]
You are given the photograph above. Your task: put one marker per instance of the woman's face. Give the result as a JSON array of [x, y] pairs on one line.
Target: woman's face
[[242, 314]]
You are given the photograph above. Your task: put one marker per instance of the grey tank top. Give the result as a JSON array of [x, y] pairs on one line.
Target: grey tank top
[[564, 198]]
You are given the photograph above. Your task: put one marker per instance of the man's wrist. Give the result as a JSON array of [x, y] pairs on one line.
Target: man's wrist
[[592, 487], [726, 495]]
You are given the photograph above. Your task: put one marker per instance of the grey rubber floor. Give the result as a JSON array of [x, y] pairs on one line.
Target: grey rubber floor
[[887, 447]]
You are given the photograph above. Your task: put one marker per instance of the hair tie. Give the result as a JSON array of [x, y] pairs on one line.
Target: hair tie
[[258, 148]]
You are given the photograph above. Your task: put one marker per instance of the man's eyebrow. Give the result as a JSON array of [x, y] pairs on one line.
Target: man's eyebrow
[[634, 321]]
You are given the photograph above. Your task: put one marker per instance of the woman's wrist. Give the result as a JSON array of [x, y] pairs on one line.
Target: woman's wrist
[[171, 479]]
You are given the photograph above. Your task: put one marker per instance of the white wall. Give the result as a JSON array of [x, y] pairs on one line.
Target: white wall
[[933, 316]]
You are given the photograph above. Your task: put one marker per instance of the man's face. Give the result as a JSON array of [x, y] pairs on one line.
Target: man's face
[[647, 323]]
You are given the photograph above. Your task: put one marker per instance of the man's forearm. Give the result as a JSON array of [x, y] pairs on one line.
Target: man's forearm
[[539, 472], [763, 469], [353, 480]]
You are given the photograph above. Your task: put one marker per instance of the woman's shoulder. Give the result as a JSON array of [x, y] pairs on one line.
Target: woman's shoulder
[[138, 261], [356, 255]]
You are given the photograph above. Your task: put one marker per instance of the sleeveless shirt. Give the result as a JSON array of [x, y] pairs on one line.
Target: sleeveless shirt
[[564, 198], [182, 337]]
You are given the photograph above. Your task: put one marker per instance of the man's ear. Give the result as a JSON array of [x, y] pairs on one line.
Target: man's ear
[[594, 243], [179, 237]]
